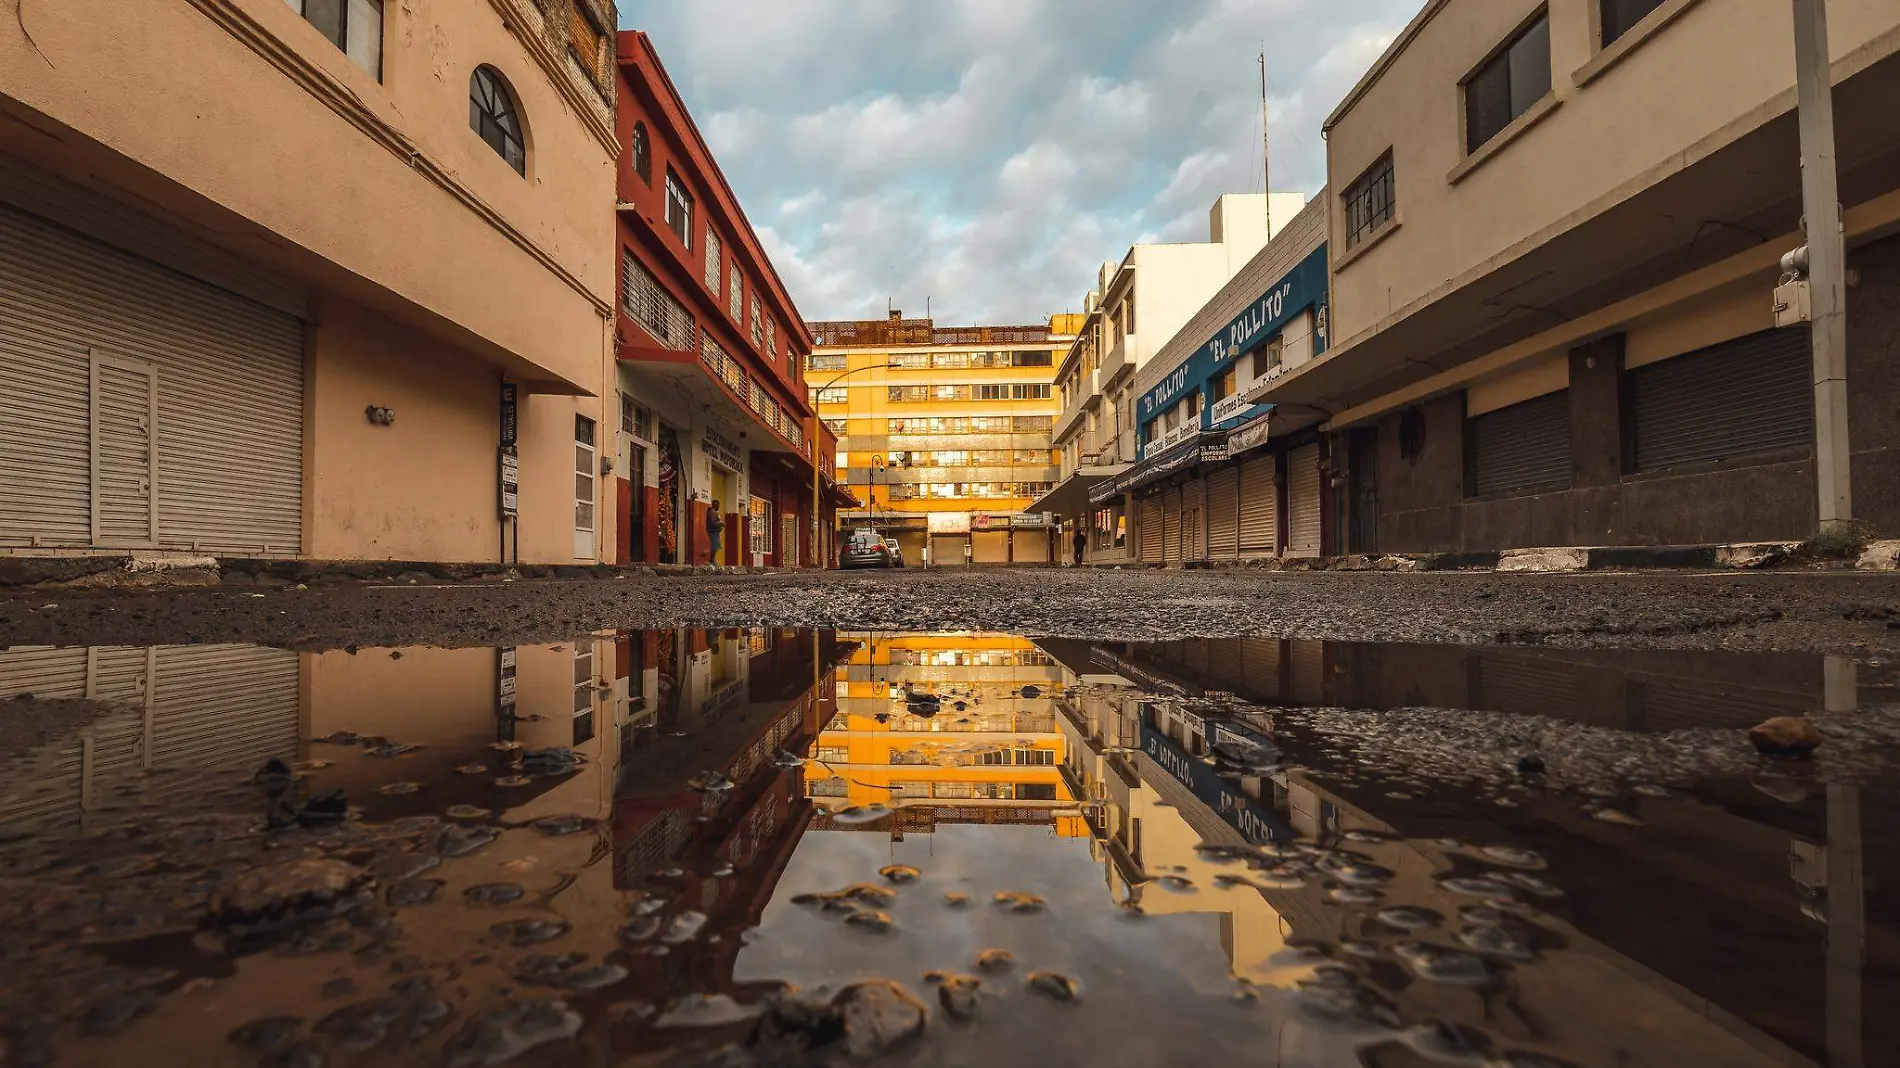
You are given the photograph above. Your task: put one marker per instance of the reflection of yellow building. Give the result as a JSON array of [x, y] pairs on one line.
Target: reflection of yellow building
[[992, 742], [944, 432]]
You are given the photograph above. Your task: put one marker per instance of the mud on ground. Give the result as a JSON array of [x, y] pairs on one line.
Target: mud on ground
[[1828, 612]]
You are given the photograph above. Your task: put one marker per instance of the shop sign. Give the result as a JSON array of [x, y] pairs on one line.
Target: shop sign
[[949, 522], [505, 690], [979, 522], [1232, 408], [720, 450], [1255, 822], [510, 414], [510, 483], [1030, 521], [1250, 436]]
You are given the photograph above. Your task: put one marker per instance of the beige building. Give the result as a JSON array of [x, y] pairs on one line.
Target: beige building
[[267, 268], [1135, 307], [1555, 231]]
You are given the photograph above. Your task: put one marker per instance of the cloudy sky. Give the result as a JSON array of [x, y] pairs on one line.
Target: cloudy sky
[[990, 154]]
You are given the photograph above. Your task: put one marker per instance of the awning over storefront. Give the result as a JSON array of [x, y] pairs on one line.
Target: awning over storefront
[[1071, 495], [1252, 434], [1207, 448]]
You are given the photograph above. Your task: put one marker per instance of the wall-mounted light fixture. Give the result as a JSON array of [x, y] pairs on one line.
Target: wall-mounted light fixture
[[380, 416]]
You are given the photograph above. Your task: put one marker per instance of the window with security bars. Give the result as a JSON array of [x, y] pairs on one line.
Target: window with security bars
[[648, 303], [1370, 201], [1747, 396], [735, 293], [712, 259], [1619, 17], [758, 324], [911, 361], [1508, 84], [493, 115], [1522, 449], [760, 526], [833, 787], [826, 362]]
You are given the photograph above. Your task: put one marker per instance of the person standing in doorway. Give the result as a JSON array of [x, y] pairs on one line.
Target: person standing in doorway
[[1081, 541], [715, 526]]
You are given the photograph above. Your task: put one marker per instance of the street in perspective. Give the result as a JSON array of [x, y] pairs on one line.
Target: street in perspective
[[794, 535]]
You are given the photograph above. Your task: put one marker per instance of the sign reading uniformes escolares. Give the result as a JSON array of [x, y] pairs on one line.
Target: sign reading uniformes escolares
[[1303, 288]]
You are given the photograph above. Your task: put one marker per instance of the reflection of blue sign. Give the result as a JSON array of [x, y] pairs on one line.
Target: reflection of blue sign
[[1303, 288], [1254, 821]]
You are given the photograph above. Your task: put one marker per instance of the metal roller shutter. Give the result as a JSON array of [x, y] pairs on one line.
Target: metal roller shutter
[[1524, 686], [1753, 394], [1223, 513], [1675, 706], [1171, 519], [228, 376], [1261, 664], [1302, 502], [1152, 535], [223, 705], [1524, 448], [1259, 506], [1308, 664], [1226, 666], [42, 787]]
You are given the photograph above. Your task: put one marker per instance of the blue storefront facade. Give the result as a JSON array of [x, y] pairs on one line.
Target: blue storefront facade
[[1219, 478]]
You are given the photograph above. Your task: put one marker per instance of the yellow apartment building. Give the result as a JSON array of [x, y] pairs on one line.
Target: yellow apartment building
[[944, 432], [991, 750]]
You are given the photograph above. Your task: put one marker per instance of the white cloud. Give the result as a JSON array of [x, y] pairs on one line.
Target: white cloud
[[990, 154]]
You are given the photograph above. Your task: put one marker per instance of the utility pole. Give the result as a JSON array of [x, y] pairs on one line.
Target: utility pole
[[1827, 264]]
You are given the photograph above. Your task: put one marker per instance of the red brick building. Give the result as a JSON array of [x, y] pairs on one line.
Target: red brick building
[[716, 434]]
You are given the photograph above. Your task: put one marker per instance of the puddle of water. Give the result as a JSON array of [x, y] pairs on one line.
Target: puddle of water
[[773, 847]]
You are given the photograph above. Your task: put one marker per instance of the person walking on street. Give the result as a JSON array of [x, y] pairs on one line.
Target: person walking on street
[[715, 526], [1081, 542]]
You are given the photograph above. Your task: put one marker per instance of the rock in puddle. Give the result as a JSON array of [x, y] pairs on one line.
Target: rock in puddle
[[865, 1021], [958, 994], [1055, 986], [500, 1034], [460, 841], [495, 894], [1787, 737], [995, 960], [900, 873], [412, 892], [871, 921], [527, 932], [268, 1034], [1019, 901]]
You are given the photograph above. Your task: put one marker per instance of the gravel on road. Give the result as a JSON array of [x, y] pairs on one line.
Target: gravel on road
[[1840, 612]]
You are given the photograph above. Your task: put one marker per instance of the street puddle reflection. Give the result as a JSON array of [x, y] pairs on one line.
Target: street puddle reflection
[[778, 847]]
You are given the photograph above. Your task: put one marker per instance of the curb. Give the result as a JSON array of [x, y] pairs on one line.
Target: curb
[[1741, 556], [142, 571]]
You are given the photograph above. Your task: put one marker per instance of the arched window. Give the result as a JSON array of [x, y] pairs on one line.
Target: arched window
[[492, 114], [642, 154]]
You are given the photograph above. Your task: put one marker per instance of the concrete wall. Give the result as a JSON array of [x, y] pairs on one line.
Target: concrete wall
[[425, 488], [1423, 508], [1723, 67]]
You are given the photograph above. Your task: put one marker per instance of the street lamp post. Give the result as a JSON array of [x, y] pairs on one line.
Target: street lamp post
[[817, 470]]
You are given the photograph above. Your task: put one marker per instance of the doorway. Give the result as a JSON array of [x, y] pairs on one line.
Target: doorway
[[124, 452], [672, 480], [586, 464], [1363, 491]]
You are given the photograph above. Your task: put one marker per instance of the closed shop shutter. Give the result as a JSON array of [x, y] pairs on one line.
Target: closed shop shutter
[[1522, 449], [990, 547], [1171, 520], [1259, 507], [223, 705], [226, 373], [1226, 668], [1524, 685], [1675, 706], [1261, 663], [1302, 502], [1307, 660], [1753, 394], [44, 787], [1223, 513], [1152, 535]]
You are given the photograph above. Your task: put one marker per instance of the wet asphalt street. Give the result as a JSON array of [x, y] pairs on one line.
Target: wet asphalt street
[[1839, 612]]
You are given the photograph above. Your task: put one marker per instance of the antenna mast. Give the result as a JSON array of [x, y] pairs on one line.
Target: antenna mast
[[1266, 145]]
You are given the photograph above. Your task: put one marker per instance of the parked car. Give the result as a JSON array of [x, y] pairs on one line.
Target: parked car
[[897, 551], [867, 548]]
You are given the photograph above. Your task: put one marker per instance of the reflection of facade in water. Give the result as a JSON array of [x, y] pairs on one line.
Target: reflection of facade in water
[[1685, 939], [945, 728]]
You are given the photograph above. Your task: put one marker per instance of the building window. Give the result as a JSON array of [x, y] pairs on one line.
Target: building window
[[1035, 359], [642, 153], [826, 362], [952, 360], [1030, 391], [583, 692], [911, 360], [998, 391], [1370, 201], [758, 325], [838, 426], [771, 339], [628, 410], [1508, 84], [735, 294], [759, 512], [648, 303], [712, 259], [1621, 16], [355, 26], [1225, 384], [492, 115], [834, 395], [679, 209]]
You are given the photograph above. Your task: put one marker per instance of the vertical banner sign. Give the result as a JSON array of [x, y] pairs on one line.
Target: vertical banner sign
[[510, 414], [505, 695], [510, 484]]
